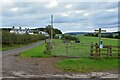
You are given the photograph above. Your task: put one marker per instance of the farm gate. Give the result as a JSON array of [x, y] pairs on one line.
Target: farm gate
[[71, 49]]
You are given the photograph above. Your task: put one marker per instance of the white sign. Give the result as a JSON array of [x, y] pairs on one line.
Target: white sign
[[101, 46]]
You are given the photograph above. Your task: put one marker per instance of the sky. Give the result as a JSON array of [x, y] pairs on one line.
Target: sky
[[68, 16]]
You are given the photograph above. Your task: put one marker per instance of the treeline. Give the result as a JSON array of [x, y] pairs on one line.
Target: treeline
[[68, 37], [107, 35], [11, 39], [48, 30]]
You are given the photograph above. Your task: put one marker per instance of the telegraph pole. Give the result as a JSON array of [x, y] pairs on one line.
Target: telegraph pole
[[51, 27]]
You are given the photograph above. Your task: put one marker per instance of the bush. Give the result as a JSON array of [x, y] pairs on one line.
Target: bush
[[56, 37], [117, 36], [11, 39], [48, 48], [67, 37]]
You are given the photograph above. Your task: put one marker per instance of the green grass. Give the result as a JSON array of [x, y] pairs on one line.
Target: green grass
[[0, 47], [87, 64], [58, 48], [4, 48], [106, 41], [35, 52], [79, 50]]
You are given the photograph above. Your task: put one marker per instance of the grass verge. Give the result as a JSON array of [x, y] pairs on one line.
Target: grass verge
[[4, 48], [87, 65], [35, 52]]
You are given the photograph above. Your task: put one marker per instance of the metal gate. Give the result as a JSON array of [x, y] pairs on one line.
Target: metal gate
[[71, 49], [78, 49]]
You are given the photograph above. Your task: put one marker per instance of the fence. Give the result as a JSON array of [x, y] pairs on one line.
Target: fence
[[78, 49], [106, 51], [71, 49]]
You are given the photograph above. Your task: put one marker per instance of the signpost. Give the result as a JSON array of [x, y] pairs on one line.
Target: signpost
[[99, 35]]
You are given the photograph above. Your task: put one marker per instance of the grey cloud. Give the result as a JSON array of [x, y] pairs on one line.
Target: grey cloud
[[37, 14]]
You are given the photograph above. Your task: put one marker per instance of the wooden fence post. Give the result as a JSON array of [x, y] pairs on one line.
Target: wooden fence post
[[110, 50], [67, 54], [97, 49], [99, 54], [91, 55]]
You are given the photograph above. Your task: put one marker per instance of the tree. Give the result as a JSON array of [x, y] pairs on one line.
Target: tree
[[57, 31], [48, 30]]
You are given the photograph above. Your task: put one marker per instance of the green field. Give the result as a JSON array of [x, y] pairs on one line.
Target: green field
[[87, 64], [35, 52], [106, 41], [81, 49]]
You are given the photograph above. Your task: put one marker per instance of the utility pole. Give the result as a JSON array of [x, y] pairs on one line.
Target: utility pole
[[51, 27]]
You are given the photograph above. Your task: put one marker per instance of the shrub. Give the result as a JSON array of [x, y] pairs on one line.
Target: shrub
[[67, 37], [11, 39]]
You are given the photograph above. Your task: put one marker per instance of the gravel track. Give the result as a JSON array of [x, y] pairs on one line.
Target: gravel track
[[18, 50], [12, 64]]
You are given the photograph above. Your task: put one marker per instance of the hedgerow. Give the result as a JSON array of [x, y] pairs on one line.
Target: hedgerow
[[68, 37], [11, 39]]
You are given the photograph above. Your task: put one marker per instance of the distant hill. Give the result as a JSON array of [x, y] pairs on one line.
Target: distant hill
[[6, 29], [92, 33], [77, 33], [117, 32]]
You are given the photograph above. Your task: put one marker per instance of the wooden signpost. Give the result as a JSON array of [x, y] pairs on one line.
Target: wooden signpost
[[99, 35], [98, 48]]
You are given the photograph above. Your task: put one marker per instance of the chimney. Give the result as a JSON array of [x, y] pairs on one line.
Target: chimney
[[13, 27], [20, 28]]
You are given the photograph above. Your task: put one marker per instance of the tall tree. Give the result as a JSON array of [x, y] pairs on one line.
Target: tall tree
[[48, 30]]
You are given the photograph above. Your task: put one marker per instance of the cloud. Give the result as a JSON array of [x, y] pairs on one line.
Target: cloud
[[14, 9], [86, 14], [68, 6], [52, 4], [68, 16]]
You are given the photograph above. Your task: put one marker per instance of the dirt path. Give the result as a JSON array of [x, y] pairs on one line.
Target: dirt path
[[31, 66], [12, 64], [18, 50]]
